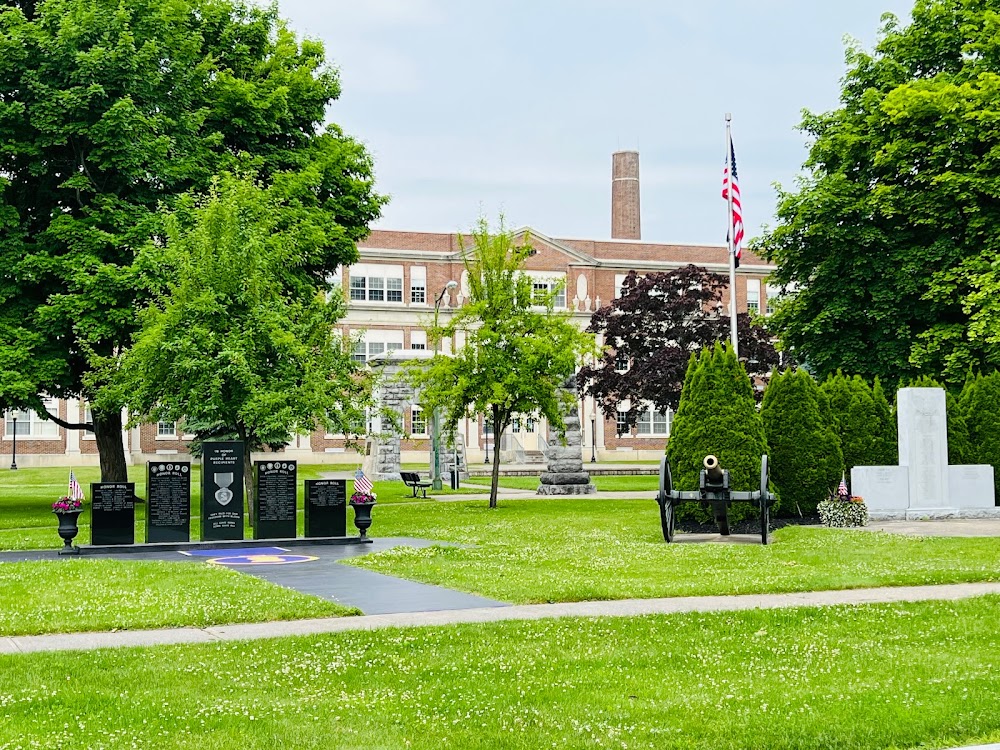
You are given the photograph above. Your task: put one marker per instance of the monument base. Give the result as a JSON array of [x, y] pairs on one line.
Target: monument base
[[933, 514], [567, 489]]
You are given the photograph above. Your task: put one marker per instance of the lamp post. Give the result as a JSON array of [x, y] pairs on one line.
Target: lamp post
[[436, 416], [486, 429], [13, 458], [593, 437]]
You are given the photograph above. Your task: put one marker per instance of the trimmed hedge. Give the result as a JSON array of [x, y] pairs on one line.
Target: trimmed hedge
[[716, 415], [804, 449]]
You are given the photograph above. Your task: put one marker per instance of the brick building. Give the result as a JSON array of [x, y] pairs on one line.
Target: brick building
[[391, 293]]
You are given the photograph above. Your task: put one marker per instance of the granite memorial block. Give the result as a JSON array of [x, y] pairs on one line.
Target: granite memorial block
[[112, 513], [222, 491], [886, 489], [274, 512], [326, 507], [168, 501], [971, 486], [923, 445]]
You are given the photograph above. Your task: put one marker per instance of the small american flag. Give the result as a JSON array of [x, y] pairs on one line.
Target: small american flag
[[75, 491], [361, 482], [842, 489], [736, 230]]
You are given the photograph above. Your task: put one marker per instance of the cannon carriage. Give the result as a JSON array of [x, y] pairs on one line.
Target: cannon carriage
[[713, 489]]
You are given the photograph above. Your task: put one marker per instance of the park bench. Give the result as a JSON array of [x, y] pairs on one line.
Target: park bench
[[412, 480]]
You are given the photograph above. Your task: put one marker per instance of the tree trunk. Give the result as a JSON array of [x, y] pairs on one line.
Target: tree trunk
[[497, 431], [248, 484], [108, 435]]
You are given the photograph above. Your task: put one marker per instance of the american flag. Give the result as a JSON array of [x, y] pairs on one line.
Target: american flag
[[842, 489], [361, 482], [736, 230], [75, 490]]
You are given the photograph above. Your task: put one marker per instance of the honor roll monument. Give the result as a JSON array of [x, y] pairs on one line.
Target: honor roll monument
[[923, 485]]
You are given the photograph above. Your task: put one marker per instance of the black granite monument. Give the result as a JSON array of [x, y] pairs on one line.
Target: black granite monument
[[222, 491], [274, 513], [168, 504], [326, 507], [112, 513]]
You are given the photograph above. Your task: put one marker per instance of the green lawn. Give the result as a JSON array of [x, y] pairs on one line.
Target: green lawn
[[548, 549], [802, 678], [640, 483], [26, 497], [96, 594]]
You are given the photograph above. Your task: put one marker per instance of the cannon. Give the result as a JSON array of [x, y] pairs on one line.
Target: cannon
[[713, 489]]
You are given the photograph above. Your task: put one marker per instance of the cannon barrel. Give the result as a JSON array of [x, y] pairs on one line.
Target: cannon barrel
[[712, 469]]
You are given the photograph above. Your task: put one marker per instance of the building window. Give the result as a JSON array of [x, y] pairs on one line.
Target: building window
[[542, 289], [621, 362], [29, 424], [622, 423], [365, 350], [418, 285], [653, 423], [166, 429], [753, 296], [418, 424], [393, 290], [359, 353], [418, 339], [771, 298], [374, 283]]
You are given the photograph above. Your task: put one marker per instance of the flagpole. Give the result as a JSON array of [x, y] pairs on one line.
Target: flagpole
[[730, 238]]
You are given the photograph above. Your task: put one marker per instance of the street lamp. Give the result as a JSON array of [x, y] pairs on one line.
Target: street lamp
[[436, 416], [593, 437], [486, 429], [13, 458]]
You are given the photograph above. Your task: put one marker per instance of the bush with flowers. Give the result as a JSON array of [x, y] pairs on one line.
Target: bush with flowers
[[363, 498], [67, 505], [843, 510]]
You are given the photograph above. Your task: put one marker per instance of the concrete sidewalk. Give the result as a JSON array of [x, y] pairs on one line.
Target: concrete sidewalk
[[621, 608]]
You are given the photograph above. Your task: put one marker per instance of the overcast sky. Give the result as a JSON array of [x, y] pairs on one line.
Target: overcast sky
[[478, 107]]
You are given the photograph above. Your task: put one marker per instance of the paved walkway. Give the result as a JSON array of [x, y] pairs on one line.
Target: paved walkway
[[621, 608]]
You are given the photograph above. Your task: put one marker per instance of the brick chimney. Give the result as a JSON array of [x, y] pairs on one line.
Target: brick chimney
[[625, 195]]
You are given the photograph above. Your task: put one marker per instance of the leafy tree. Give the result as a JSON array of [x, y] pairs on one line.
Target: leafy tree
[[231, 343], [518, 353], [716, 415], [654, 325], [887, 236], [887, 443], [110, 109], [804, 451]]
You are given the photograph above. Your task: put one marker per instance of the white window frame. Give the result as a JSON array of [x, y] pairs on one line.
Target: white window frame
[[376, 342], [753, 296], [653, 423], [375, 283], [418, 339], [772, 293], [30, 426], [549, 281], [163, 434], [418, 285], [417, 417]]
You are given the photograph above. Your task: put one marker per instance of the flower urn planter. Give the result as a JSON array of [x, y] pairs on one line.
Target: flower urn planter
[[362, 517], [68, 530]]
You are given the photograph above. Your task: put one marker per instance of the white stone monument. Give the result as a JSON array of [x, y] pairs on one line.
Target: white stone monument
[[924, 485]]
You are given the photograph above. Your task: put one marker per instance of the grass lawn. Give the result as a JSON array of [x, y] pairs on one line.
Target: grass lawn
[[641, 483], [883, 676], [26, 497], [93, 594], [549, 549]]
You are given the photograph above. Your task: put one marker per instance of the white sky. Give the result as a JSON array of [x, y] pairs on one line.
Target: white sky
[[478, 107]]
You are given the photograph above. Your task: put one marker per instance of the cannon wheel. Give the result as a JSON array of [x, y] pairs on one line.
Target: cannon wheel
[[765, 505], [665, 501]]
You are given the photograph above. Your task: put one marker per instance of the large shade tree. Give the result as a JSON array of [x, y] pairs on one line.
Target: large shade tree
[[882, 240], [237, 339], [518, 353], [107, 111], [652, 329]]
